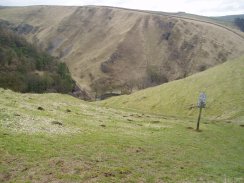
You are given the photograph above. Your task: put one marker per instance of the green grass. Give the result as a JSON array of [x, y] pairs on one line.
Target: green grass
[[99, 144], [223, 85]]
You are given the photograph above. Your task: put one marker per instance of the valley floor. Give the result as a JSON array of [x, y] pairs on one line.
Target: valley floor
[[57, 138]]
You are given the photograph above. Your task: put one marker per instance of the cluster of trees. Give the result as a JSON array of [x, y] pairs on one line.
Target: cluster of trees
[[155, 76], [24, 68], [239, 22]]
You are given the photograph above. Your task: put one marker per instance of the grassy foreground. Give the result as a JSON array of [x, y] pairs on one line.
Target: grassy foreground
[[223, 85], [67, 140]]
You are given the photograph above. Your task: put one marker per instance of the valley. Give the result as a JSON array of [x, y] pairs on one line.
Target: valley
[[139, 137], [155, 63], [115, 50]]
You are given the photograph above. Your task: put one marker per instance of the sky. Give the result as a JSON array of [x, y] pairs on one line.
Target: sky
[[199, 7]]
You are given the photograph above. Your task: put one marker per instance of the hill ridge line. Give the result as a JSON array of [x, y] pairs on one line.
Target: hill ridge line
[[168, 15], [160, 13]]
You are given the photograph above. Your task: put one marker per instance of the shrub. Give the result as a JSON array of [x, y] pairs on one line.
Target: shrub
[[239, 22]]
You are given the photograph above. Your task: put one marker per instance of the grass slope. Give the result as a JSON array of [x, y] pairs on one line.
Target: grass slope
[[223, 85], [88, 143]]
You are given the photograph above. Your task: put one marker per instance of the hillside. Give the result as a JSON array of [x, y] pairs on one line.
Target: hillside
[[58, 138], [227, 21], [223, 85], [24, 68], [118, 50], [230, 19]]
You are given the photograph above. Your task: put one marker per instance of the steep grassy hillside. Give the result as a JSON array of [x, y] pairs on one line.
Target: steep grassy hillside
[[223, 85], [119, 50], [57, 138], [24, 68]]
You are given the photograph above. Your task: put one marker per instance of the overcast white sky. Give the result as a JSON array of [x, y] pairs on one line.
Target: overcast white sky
[[200, 7]]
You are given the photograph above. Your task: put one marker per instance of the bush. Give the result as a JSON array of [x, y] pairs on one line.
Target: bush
[[155, 75], [239, 22]]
